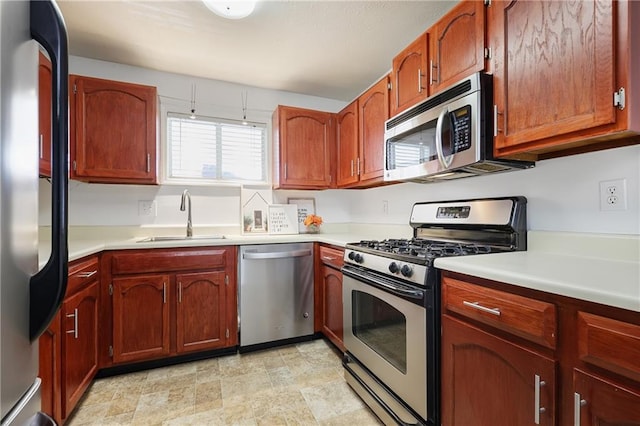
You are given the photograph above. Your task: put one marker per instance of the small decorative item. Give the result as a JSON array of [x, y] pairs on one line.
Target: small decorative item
[[306, 206], [313, 222], [282, 219]]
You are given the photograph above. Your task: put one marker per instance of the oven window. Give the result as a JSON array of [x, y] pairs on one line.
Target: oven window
[[381, 327]]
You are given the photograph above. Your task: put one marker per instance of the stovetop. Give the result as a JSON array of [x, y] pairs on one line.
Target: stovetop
[[420, 250]]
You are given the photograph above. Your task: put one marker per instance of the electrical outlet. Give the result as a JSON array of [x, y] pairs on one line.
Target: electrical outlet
[[613, 195], [385, 207], [147, 208]]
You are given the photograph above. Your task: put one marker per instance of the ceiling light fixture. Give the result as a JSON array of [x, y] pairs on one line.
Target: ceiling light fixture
[[231, 9]]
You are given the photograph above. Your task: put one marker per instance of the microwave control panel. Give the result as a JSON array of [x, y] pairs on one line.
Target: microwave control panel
[[461, 124]]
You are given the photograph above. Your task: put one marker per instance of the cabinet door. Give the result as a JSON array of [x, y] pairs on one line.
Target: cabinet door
[[347, 145], [50, 367], [332, 305], [490, 381], [201, 321], [140, 318], [409, 83], [553, 69], [373, 112], [602, 403], [44, 114], [457, 45], [306, 138], [80, 344], [114, 134]]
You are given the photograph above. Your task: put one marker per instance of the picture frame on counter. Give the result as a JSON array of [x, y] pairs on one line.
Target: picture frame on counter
[[255, 211], [283, 219], [305, 206]]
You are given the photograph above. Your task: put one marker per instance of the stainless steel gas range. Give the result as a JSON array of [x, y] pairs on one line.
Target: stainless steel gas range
[[391, 301]]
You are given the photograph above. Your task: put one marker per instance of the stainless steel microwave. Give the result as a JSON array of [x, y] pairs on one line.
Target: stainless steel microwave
[[447, 136]]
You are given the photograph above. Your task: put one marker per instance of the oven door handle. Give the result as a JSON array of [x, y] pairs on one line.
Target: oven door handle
[[385, 286], [445, 162]]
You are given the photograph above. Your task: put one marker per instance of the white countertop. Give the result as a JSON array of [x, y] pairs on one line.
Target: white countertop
[[594, 267], [601, 268]]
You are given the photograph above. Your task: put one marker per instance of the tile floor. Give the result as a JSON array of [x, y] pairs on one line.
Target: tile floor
[[299, 384]]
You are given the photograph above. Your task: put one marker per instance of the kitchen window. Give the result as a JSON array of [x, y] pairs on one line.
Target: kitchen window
[[213, 150]]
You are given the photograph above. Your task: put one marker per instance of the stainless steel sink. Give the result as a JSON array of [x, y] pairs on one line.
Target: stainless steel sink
[[180, 238]]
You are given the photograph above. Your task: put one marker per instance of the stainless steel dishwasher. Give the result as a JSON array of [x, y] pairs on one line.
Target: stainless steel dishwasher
[[276, 294]]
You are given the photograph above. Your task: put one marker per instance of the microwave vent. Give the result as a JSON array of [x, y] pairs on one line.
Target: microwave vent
[[488, 167], [428, 104]]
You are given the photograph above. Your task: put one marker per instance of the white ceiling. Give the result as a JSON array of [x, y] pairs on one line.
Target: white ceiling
[[333, 49]]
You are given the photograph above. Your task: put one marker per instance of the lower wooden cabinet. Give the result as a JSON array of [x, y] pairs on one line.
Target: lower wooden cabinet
[[169, 302], [68, 349], [487, 380], [328, 305], [510, 354]]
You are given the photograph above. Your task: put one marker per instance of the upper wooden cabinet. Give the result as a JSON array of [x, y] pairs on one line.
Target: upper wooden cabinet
[[347, 145], [409, 83], [303, 142], [457, 47], [44, 114], [360, 138], [558, 67], [373, 111], [113, 131]]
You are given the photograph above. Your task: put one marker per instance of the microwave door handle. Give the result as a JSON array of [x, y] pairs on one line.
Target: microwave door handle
[[445, 162]]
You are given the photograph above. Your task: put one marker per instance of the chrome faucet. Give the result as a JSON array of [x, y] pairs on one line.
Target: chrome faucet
[[186, 196]]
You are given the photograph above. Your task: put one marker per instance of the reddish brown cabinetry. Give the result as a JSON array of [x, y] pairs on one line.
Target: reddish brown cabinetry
[[409, 83], [554, 90], [328, 304], [373, 111], [585, 353], [44, 114], [457, 45], [347, 145], [113, 131], [69, 347], [167, 302], [303, 142]]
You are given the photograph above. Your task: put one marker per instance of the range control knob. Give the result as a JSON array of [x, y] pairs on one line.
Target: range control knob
[[406, 270], [352, 255], [393, 267], [358, 258]]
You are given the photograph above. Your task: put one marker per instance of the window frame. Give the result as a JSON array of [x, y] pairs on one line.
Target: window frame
[[165, 158]]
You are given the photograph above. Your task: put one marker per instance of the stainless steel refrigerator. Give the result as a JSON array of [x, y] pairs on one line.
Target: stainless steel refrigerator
[[29, 297]]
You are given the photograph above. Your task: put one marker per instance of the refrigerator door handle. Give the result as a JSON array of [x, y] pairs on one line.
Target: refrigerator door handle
[[48, 286]]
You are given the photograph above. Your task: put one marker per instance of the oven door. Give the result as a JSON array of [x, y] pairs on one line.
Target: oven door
[[385, 329]]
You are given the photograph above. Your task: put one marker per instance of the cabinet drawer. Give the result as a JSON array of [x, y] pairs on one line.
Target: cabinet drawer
[[81, 273], [610, 344], [159, 260], [332, 257], [528, 318]]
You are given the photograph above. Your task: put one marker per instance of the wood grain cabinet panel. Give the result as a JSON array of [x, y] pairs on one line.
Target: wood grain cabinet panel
[[45, 95], [490, 381], [600, 402], [347, 145], [610, 344], [373, 111], [328, 303], [80, 344], [50, 369], [113, 131], [303, 141], [531, 319], [457, 45], [140, 317], [556, 67], [198, 326], [409, 83]]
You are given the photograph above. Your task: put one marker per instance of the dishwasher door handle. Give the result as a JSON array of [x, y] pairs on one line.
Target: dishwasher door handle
[[276, 254]]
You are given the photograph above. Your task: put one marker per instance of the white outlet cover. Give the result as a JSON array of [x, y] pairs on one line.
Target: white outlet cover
[[613, 195], [147, 208]]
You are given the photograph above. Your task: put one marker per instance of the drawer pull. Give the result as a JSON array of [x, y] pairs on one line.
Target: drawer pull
[[478, 306], [578, 403], [74, 315], [329, 258], [86, 274], [536, 415]]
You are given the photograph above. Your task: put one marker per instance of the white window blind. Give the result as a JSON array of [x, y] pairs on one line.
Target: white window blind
[[211, 149]]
